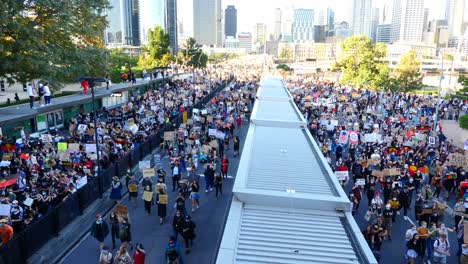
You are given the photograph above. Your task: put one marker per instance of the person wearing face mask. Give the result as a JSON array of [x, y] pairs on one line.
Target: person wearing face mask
[[105, 257], [433, 235], [147, 197], [178, 224], [459, 210], [173, 253], [378, 202], [388, 215], [125, 234], [415, 248], [423, 233], [115, 227], [404, 199], [370, 189], [395, 205], [99, 230], [116, 190], [188, 232], [16, 216], [445, 230]]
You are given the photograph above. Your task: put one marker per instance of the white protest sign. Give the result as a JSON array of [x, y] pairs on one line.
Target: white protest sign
[[81, 182], [82, 128], [47, 138], [28, 202], [212, 132], [144, 164], [371, 137], [432, 140], [91, 148], [220, 135], [342, 175], [5, 209], [361, 182]]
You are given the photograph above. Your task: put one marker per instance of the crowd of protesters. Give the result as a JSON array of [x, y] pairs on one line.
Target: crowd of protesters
[[42, 172], [398, 164], [199, 146]]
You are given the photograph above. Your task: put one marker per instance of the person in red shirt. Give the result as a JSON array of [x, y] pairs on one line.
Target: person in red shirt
[[84, 85], [139, 255], [224, 166], [6, 231]]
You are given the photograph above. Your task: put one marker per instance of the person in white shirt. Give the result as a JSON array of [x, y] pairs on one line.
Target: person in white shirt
[[47, 93], [441, 250], [30, 91]]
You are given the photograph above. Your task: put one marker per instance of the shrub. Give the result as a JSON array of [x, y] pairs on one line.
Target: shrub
[[463, 121]]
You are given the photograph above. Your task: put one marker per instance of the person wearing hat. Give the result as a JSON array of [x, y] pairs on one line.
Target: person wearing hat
[[99, 230], [116, 189], [16, 216], [6, 231]]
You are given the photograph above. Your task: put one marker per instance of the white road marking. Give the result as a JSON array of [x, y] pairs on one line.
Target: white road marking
[[229, 177]]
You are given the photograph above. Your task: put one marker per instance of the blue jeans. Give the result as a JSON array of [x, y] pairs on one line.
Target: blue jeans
[[430, 248], [208, 183]]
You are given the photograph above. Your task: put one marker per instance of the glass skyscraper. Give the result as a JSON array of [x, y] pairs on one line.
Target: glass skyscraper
[[124, 23]]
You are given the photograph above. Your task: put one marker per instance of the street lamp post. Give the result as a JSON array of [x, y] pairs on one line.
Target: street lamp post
[[91, 83], [436, 119]]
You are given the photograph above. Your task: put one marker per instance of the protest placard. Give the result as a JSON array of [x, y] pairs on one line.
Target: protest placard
[[147, 196], [202, 120], [62, 146], [148, 173], [133, 188], [157, 159], [343, 139], [220, 134], [5, 209], [91, 148], [209, 118], [184, 117], [189, 121], [82, 181], [391, 172], [28, 202], [82, 128], [212, 132], [63, 155], [169, 135], [214, 144], [7, 156], [370, 137], [180, 134], [204, 112], [73, 147], [121, 209], [361, 182], [353, 137], [144, 164], [342, 175], [46, 138], [206, 149], [377, 173], [188, 141], [431, 140], [457, 159]]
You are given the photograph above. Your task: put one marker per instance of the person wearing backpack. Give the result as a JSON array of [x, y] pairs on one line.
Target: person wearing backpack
[[173, 254], [441, 250], [125, 234]]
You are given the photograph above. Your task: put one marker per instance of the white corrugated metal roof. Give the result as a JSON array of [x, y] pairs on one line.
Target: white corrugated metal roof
[[271, 235], [273, 92], [277, 111], [272, 82], [283, 157]]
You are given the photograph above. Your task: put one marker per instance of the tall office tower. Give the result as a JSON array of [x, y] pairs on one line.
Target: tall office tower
[[454, 14], [245, 41], [426, 19], [277, 29], [124, 23], [171, 24], [207, 22], [386, 15], [383, 33], [361, 23], [152, 13], [303, 25], [287, 14], [321, 18], [375, 23], [407, 20], [260, 33], [230, 21], [330, 18]]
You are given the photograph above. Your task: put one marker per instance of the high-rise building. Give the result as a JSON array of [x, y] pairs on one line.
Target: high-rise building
[[152, 13], [207, 20], [407, 20], [386, 15], [260, 33], [321, 18], [361, 23], [454, 14], [375, 23], [287, 14], [230, 21], [277, 29], [330, 18], [124, 23], [320, 33], [384, 32], [303, 25], [245, 41], [171, 24]]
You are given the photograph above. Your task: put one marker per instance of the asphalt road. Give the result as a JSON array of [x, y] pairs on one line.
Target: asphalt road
[[146, 229]]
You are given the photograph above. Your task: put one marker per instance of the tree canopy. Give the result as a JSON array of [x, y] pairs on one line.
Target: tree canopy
[[361, 62], [407, 72], [193, 55], [57, 41], [157, 52]]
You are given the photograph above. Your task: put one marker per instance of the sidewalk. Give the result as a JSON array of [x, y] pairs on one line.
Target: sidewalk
[[453, 131], [24, 111]]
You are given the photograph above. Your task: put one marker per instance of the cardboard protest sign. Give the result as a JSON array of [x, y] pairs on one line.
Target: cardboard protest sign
[[169, 136], [342, 175], [457, 159], [307, 104], [63, 155], [147, 196], [377, 173], [189, 121], [133, 188], [391, 172], [209, 118], [184, 117], [163, 198], [214, 144], [206, 149], [73, 147], [7, 156], [188, 141], [148, 173]]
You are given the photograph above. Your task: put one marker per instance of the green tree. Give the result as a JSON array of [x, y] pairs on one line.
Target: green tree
[[193, 54], [361, 62], [285, 54], [57, 41], [407, 71], [157, 49]]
